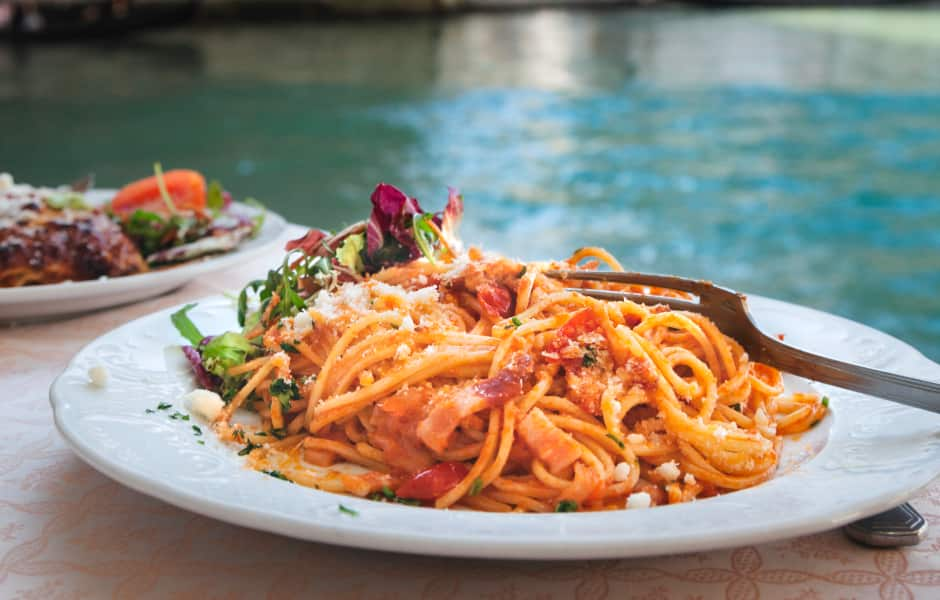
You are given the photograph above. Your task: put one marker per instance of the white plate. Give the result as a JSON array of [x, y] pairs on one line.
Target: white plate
[[869, 455], [71, 297]]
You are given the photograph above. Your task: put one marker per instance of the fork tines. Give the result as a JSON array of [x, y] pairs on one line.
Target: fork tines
[[644, 279]]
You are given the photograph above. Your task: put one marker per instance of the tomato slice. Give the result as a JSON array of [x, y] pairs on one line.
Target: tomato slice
[[432, 483], [187, 188]]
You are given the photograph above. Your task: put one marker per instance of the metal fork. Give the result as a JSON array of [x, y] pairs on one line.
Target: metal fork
[[728, 310], [899, 526]]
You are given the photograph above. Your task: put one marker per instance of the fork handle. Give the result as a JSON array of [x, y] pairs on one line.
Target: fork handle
[[903, 390]]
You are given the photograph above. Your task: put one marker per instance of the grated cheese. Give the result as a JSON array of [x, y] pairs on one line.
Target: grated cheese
[[622, 472], [636, 438], [303, 323], [668, 471], [205, 403], [639, 500]]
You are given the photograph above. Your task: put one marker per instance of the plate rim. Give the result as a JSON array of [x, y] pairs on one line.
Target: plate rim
[[339, 531]]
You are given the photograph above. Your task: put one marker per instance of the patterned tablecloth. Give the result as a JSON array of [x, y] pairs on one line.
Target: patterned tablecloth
[[68, 532]]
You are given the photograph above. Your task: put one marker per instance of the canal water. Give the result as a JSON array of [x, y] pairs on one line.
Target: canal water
[[790, 154]]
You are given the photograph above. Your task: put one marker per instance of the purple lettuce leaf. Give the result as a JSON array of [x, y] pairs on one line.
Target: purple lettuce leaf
[[203, 378]]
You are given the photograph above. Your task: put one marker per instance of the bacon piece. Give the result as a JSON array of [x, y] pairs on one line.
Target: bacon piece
[[496, 300], [395, 421], [554, 447], [509, 383]]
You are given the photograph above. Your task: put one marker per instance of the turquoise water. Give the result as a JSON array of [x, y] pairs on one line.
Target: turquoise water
[[781, 156]]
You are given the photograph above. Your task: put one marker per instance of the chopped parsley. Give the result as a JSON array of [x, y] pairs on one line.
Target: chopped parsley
[[238, 435], [522, 271], [164, 406], [277, 475], [387, 495], [247, 449], [476, 487], [150, 411], [567, 506], [616, 440], [825, 401], [288, 348], [736, 406], [201, 442], [197, 430], [590, 356], [279, 432], [516, 322], [284, 390], [348, 511], [178, 416]]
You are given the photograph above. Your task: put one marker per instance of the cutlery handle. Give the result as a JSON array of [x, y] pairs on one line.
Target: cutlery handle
[[909, 391]]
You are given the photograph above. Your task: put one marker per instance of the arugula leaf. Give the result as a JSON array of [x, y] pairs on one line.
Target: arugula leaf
[[425, 237], [287, 281], [147, 230], [185, 326]]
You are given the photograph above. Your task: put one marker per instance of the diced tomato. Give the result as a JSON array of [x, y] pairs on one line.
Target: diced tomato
[[433, 483], [581, 323], [187, 188], [495, 300]]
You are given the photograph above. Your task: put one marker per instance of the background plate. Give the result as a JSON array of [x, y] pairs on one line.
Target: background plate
[[71, 297], [867, 456]]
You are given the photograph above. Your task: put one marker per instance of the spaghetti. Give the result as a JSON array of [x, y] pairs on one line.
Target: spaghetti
[[474, 381]]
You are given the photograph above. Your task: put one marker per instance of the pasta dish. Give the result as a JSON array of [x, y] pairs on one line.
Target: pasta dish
[[385, 362]]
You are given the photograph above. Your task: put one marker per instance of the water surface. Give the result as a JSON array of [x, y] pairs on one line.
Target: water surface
[[795, 155]]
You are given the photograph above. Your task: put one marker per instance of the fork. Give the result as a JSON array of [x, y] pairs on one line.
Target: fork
[[728, 310], [899, 526]]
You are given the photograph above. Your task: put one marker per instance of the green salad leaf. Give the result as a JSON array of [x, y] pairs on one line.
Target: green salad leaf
[[185, 326]]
